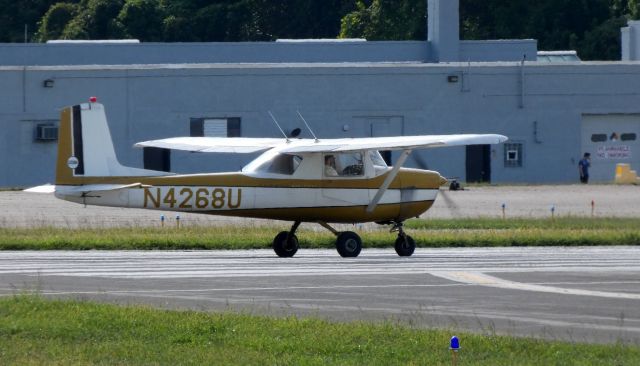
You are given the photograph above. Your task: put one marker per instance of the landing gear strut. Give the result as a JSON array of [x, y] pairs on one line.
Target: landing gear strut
[[285, 244], [405, 245], [348, 243]]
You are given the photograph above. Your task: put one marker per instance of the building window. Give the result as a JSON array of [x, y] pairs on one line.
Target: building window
[[215, 127], [513, 155]]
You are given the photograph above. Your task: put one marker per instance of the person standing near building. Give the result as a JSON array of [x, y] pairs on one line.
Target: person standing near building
[[583, 168]]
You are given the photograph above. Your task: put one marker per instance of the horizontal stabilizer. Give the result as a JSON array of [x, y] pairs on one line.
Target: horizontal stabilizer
[[47, 188], [83, 189]]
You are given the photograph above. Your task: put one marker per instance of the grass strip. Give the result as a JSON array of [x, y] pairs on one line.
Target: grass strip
[[35, 331], [427, 233]]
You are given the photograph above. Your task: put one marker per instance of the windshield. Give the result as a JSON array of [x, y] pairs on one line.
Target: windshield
[[377, 159]]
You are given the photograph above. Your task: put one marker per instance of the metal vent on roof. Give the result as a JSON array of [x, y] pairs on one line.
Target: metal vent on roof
[[558, 56]]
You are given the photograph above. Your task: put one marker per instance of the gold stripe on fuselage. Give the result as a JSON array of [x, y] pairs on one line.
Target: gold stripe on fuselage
[[407, 178], [350, 214]]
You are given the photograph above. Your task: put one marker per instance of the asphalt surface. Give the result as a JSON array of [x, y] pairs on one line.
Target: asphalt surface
[[575, 294]]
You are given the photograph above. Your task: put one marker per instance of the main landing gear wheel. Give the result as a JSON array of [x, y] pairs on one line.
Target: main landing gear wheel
[[405, 245], [348, 244], [285, 244]]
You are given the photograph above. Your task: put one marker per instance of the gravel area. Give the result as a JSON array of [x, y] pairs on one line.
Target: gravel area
[[19, 209]]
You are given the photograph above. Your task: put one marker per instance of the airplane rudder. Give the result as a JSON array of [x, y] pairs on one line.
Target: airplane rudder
[[65, 153]]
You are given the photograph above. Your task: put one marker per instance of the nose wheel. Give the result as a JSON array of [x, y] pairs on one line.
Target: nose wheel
[[405, 245]]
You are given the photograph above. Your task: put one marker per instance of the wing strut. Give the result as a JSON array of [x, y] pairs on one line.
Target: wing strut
[[387, 181]]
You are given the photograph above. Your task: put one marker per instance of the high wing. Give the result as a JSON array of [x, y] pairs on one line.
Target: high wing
[[250, 145], [214, 144], [393, 143]]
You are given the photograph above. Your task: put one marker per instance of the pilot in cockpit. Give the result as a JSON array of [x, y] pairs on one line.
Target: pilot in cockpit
[[330, 166]]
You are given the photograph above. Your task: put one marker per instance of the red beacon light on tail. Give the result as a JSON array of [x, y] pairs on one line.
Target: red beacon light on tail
[[93, 99]]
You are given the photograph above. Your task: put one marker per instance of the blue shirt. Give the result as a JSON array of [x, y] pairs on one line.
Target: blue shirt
[[584, 165]]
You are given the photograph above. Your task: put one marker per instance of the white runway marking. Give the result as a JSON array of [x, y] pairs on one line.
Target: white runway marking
[[481, 279]]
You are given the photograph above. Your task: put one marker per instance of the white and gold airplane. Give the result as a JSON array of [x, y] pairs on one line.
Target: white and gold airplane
[[300, 180]]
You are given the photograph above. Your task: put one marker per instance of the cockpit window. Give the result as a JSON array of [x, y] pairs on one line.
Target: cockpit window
[[280, 164], [343, 165]]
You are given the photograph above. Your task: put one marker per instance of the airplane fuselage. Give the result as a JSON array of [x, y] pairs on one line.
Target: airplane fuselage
[[410, 194]]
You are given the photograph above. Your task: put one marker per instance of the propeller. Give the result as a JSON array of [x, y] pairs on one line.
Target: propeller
[[444, 191]]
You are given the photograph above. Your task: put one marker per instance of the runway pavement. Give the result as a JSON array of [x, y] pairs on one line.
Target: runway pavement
[[575, 294]]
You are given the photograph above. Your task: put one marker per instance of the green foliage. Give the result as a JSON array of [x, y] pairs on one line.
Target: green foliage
[[592, 27], [427, 233], [634, 9], [603, 41], [37, 331], [386, 20], [142, 19], [55, 20], [589, 26], [15, 15]]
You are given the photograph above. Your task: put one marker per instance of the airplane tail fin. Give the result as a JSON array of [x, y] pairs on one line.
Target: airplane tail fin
[[85, 148]]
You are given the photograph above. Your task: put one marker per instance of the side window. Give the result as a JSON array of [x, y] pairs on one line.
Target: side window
[[343, 165], [281, 164]]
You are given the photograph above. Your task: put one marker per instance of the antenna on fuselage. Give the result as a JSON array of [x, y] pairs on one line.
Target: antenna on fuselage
[[306, 124], [277, 124]]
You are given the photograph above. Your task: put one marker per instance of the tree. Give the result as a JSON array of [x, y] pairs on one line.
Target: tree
[[386, 20], [15, 15], [90, 19], [634, 9], [584, 25], [55, 20], [603, 42], [273, 19], [142, 19]]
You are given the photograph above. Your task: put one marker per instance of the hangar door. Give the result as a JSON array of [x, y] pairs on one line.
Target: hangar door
[[611, 139]]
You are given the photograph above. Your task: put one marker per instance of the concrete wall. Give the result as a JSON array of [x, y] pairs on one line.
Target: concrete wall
[[499, 50], [148, 102], [631, 41], [31, 54]]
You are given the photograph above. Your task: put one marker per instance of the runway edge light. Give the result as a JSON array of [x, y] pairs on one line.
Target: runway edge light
[[454, 346]]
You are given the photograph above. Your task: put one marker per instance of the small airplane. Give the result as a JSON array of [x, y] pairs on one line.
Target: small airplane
[[299, 180]]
